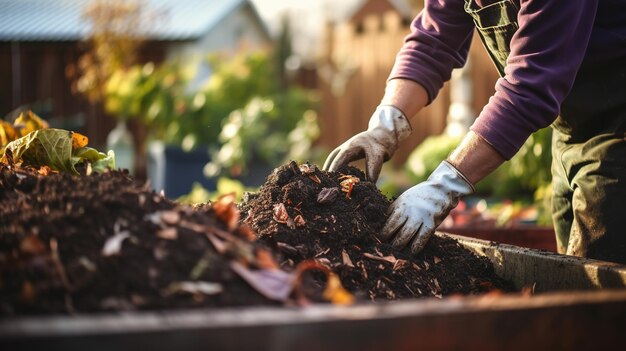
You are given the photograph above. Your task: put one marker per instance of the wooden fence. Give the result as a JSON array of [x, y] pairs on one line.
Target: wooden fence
[[357, 60]]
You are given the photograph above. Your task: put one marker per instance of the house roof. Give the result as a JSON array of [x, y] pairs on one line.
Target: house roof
[[61, 20], [358, 10]]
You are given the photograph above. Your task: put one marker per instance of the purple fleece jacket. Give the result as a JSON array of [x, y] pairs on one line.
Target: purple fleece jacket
[[555, 37]]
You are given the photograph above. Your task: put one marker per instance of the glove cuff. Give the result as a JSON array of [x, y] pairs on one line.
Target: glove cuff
[[390, 118], [453, 179]]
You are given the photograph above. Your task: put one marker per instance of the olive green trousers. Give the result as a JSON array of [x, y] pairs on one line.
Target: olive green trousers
[[589, 196]]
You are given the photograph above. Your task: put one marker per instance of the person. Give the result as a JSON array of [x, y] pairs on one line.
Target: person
[[562, 63]]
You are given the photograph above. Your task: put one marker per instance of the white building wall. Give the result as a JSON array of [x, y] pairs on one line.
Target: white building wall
[[239, 30]]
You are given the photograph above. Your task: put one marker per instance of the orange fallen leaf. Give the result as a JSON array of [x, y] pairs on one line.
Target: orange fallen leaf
[[31, 245], [79, 140], [226, 211], [265, 260], [247, 232]]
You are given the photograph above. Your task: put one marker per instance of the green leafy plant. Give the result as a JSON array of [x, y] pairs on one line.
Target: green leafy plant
[[59, 149], [200, 195], [267, 130], [115, 36], [242, 113], [159, 97], [526, 177], [429, 154]]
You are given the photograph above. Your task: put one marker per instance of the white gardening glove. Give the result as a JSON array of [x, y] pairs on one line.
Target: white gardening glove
[[387, 127], [418, 211]]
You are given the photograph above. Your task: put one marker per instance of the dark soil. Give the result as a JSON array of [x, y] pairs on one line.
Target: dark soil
[[78, 215], [56, 257], [342, 234]]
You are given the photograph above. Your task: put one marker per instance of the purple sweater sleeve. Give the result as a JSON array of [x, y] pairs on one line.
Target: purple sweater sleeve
[[546, 53], [439, 41]]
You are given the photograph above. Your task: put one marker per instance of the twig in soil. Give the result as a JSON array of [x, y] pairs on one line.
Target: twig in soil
[[346, 259], [288, 249], [219, 245], [56, 261], [409, 289], [322, 252], [361, 265], [54, 255], [388, 259], [399, 264]]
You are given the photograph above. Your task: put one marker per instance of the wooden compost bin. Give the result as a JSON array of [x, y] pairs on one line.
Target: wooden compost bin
[[580, 304]]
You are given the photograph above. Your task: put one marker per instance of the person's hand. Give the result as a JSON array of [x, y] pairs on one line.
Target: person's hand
[[387, 127], [418, 211]]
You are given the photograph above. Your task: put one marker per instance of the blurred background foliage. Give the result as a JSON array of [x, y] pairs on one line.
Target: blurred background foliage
[[225, 185], [267, 130], [525, 179], [241, 113], [116, 34]]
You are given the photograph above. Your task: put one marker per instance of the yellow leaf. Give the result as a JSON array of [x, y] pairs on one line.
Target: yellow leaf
[[7, 133], [335, 293], [79, 140], [27, 122]]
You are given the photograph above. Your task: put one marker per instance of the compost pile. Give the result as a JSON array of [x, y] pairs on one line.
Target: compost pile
[[104, 242], [333, 217]]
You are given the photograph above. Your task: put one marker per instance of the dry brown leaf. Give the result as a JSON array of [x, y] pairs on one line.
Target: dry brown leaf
[[239, 247], [315, 178], [327, 195], [307, 168], [487, 285], [400, 264], [247, 232], [280, 213], [265, 260], [299, 221], [46, 170], [275, 284], [226, 211], [28, 293], [346, 259], [323, 261], [168, 233], [31, 245]]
